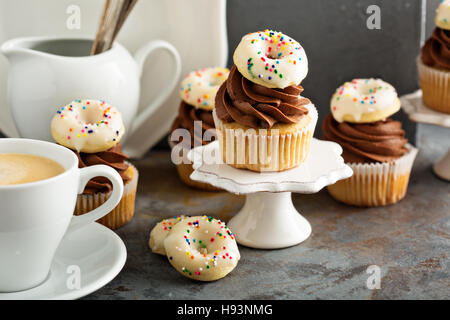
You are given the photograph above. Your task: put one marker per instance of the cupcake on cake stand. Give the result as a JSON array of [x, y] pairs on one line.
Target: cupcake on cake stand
[[265, 148], [269, 219], [418, 112], [431, 105]]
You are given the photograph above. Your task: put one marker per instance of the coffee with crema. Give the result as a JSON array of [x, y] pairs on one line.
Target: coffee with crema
[[17, 168]]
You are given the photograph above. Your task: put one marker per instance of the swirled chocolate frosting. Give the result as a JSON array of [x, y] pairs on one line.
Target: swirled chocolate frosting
[[187, 114], [436, 51], [381, 141], [112, 157], [250, 104]]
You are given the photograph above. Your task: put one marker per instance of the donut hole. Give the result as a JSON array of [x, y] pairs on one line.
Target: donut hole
[[365, 90], [92, 116], [206, 246], [368, 87], [274, 53]]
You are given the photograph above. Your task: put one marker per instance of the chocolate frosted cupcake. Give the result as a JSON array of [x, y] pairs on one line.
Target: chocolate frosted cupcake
[[187, 115], [198, 91], [377, 151], [93, 130], [98, 190], [434, 63], [380, 141], [262, 121]]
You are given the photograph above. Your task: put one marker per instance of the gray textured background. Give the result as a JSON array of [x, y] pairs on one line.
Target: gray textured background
[[431, 6]]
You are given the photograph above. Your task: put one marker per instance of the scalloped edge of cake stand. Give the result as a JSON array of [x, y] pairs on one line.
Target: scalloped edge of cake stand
[[324, 155], [268, 219], [418, 112]]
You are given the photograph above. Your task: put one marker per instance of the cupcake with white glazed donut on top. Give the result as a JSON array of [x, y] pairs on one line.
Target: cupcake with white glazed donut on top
[[262, 121], [198, 92], [373, 144], [93, 130], [434, 63]]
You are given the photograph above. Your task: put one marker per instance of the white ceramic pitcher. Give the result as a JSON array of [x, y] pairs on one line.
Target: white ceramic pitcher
[[47, 73]]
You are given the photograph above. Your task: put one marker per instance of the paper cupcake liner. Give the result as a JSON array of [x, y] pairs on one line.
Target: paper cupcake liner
[[121, 214], [185, 170], [435, 85], [375, 184], [248, 149]]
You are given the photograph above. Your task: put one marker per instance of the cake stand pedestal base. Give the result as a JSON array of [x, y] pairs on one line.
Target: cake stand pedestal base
[[442, 167], [269, 221]]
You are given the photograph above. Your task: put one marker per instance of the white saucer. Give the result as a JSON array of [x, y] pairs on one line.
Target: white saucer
[[98, 252]]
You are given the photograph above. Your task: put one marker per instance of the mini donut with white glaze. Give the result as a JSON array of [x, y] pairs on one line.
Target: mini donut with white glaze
[[271, 59], [202, 248], [160, 232], [199, 88], [88, 126], [364, 101]]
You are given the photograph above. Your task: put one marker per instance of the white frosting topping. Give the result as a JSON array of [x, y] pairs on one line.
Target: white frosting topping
[[199, 88], [442, 19], [90, 123], [361, 96], [271, 59]]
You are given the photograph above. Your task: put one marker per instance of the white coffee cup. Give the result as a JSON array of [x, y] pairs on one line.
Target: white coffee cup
[[35, 216]]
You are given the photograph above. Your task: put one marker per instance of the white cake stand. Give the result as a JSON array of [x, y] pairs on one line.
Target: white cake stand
[[269, 219], [413, 105]]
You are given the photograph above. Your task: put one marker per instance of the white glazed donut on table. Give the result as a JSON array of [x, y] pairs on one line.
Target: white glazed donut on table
[[364, 100], [160, 232], [88, 126], [202, 248], [271, 59], [199, 88]]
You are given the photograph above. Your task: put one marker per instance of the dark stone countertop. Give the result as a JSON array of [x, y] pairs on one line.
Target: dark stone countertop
[[409, 241]]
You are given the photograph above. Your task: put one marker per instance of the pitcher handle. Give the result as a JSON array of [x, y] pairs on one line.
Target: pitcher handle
[[141, 56]]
